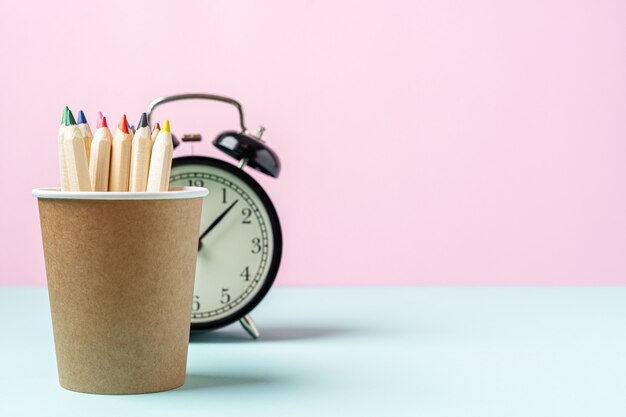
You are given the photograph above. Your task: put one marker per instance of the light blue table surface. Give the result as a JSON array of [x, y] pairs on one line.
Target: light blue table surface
[[404, 351]]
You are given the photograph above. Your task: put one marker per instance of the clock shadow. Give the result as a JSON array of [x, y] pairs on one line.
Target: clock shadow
[[236, 334]]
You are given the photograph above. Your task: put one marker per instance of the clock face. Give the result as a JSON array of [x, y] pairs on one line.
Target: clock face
[[239, 253]]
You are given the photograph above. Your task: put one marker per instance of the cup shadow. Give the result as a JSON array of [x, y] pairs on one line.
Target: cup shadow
[[268, 334], [198, 381]]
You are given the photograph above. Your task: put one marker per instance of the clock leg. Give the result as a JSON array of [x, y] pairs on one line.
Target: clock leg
[[248, 324]]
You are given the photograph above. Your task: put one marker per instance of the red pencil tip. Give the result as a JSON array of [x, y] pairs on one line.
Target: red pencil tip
[[103, 122], [157, 126], [123, 126]]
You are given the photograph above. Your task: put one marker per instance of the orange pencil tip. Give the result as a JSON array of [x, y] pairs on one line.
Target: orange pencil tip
[[123, 126]]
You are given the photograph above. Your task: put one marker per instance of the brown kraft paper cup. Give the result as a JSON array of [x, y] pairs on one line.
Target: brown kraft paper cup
[[120, 269]]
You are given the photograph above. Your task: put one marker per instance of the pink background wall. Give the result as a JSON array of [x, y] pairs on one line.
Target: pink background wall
[[441, 142]]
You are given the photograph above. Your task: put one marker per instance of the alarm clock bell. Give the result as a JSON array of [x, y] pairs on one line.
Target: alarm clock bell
[[251, 149], [247, 148]]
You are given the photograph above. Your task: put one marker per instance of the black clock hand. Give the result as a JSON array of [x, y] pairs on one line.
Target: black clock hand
[[215, 223]]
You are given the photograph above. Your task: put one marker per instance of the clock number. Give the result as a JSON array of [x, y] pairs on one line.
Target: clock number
[[223, 195], [196, 303], [196, 183], [246, 212], [225, 296], [245, 274], [256, 245]]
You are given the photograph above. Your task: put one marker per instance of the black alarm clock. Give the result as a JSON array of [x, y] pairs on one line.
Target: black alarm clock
[[240, 240]]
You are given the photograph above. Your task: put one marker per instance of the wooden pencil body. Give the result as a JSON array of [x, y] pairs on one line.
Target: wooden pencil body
[[154, 135], [140, 159], [160, 163], [76, 157], [119, 173], [100, 160], [87, 138], [65, 184]]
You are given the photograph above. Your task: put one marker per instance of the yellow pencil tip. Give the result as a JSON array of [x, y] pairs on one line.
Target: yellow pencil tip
[[166, 126]]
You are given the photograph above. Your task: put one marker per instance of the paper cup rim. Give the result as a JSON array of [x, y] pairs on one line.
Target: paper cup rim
[[174, 193]]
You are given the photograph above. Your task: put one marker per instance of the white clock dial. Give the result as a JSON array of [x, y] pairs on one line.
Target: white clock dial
[[235, 254]]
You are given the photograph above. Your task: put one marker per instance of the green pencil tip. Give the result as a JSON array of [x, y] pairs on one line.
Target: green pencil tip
[[70, 118], [64, 117]]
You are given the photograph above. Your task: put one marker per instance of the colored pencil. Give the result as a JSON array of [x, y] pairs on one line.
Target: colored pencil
[[140, 156], [120, 157], [86, 132], [76, 156], [161, 160], [65, 184], [131, 128], [100, 156], [155, 131]]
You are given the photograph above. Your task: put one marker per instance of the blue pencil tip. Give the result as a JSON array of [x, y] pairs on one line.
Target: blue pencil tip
[[81, 118]]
